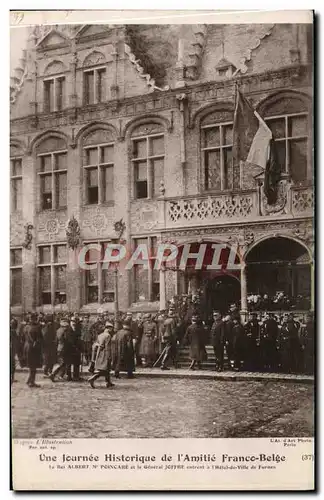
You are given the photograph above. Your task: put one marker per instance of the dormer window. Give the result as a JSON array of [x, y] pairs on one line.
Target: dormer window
[[225, 69]]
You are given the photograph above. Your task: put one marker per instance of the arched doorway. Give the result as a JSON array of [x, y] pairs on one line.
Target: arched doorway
[[220, 292], [279, 275]]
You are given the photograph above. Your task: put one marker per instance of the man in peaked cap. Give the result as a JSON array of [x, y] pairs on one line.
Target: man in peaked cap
[[33, 349], [103, 356]]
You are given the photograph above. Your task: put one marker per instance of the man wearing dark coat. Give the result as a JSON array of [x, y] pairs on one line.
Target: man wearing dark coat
[[252, 332], [239, 344], [102, 362], [123, 351], [49, 344], [269, 335], [13, 347], [217, 340], [289, 345], [307, 342], [87, 338], [148, 345], [169, 340], [33, 349], [61, 349], [195, 335], [73, 350], [229, 341]]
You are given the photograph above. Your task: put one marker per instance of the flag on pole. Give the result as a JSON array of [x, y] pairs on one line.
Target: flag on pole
[[253, 143]]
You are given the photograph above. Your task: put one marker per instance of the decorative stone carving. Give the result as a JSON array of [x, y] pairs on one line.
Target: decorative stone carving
[[281, 202], [51, 226], [303, 201], [147, 129], [198, 210], [97, 221], [120, 227], [73, 233], [16, 229], [144, 216], [28, 236], [162, 188], [94, 58]]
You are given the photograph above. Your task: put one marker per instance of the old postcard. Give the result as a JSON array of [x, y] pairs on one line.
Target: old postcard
[[161, 251]]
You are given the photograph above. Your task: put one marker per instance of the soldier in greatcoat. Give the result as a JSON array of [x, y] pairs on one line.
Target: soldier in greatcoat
[[102, 363], [148, 345], [269, 335], [61, 349], [169, 340], [217, 340], [123, 351], [307, 342], [239, 344], [252, 332], [49, 344], [73, 350], [33, 349], [289, 345], [195, 336]]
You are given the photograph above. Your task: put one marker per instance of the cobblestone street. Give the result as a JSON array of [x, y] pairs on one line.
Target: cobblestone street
[[147, 408]]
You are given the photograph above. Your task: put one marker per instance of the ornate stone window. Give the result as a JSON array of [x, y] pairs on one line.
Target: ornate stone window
[[16, 184], [94, 79], [52, 274], [99, 282], [98, 168], [52, 173], [16, 276], [288, 117], [146, 278], [148, 160], [216, 150], [54, 92]]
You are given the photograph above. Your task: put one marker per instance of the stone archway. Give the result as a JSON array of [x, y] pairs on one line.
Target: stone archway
[[280, 266]]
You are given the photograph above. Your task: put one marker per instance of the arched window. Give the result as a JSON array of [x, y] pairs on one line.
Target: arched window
[[216, 151], [147, 159], [98, 167], [54, 87], [288, 119], [52, 172]]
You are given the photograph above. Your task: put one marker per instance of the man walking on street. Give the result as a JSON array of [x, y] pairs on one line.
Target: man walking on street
[[33, 349], [102, 363]]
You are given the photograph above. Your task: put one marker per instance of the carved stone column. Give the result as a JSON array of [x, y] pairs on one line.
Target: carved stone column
[[244, 305]]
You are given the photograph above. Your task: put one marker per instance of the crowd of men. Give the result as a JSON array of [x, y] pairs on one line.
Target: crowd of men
[[63, 345]]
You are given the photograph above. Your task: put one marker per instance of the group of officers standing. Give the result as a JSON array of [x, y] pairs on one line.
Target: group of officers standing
[[62, 345]]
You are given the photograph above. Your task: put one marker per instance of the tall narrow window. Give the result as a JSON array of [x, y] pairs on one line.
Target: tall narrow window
[[15, 276], [217, 141], [100, 282], [291, 140], [95, 85], [52, 274], [53, 179], [148, 165], [16, 184], [146, 278], [98, 162], [54, 94]]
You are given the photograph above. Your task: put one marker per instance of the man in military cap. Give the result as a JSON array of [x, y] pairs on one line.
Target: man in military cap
[[195, 335], [123, 351], [49, 344], [61, 349], [102, 363], [73, 350], [169, 340], [148, 345], [218, 339], [33, 348]]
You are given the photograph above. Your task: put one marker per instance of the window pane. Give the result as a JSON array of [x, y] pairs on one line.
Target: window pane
[[49, 95], [157, 146], [298, 159], [92, 177], [107, 154], [297, 126], [16, 167], [92, 183], [61, 190], [141, 283], [228, 134], [17, 194], [228, 167], [212, 137], [212, 170], [60, 278], [141, 171], [281, 154], [61, 161], [140, 149], [60, 254], [92, 275], [60, 83], [158, 175], [277, 127], [60, 298], [46, 163], [108, 183], [92, 255], [101, 85], [16, 287], [45, 255], [45, 279], [91, 156], [46, 191], [16, 257], [108, 280], [89, 87]]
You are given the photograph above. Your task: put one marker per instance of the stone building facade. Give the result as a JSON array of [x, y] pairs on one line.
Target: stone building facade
[[135, 123]]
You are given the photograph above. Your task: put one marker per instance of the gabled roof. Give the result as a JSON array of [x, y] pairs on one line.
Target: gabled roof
[[224, 63], [52, 38]]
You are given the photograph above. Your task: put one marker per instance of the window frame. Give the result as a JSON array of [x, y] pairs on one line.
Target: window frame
[[149, 159], [221, 148], [52, 265], [13, 268], [100, 167], [95, 70], [150, 276], [55, 173], [100, 280], [287, 139], [13, 179], [56, 96]]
